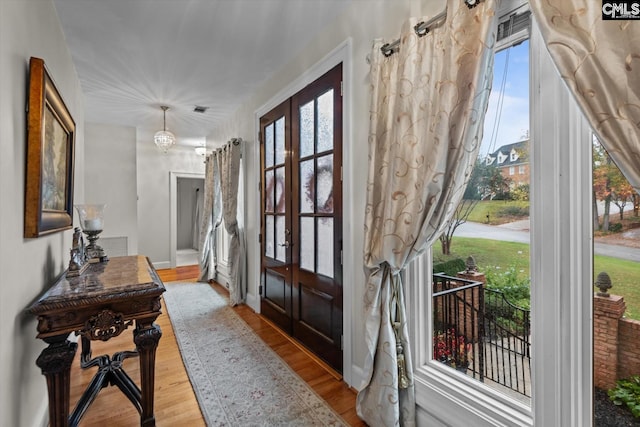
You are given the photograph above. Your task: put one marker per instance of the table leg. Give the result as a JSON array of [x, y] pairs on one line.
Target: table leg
[[146, 337], [55, 363]]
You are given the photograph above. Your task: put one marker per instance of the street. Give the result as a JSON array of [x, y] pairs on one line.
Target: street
[[508, 234]]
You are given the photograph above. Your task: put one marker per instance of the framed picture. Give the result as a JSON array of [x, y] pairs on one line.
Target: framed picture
[[50, 157]]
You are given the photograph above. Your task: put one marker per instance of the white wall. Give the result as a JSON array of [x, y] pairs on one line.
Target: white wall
[[110, 177], [361, 23], [153, 171], [28, 266]]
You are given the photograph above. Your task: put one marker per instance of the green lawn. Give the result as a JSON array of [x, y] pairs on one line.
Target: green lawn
[[625, 275], [496, 211]]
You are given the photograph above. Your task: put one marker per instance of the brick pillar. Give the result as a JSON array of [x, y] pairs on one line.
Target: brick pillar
[[607, 312], [471, 305]]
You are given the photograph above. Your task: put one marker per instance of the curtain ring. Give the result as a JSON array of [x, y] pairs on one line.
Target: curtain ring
[[421, 32], [386, 50]]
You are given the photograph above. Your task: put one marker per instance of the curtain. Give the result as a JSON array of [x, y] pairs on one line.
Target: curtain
[[600, 62], [427, 112], [211, 217], [197, 220], [229, 165]]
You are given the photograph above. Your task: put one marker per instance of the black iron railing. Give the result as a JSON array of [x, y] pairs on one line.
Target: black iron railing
[[480, 333]]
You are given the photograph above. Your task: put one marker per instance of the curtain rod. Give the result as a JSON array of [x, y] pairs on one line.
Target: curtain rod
[[423, 28]]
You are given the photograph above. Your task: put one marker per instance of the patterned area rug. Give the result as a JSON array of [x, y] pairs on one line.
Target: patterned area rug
[[237, 378]]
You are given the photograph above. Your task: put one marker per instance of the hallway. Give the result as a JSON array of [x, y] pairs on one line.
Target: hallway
[[175, 401]]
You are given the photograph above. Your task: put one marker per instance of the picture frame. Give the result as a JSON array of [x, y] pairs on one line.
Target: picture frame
[[51, 133]]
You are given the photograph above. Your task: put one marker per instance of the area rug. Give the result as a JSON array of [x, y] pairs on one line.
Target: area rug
[[237, 378]]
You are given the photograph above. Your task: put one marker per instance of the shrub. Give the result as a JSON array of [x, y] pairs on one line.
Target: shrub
[[616, 227], [627, 392], [451, 267], [516, 289], [521, 192], [516, 211]]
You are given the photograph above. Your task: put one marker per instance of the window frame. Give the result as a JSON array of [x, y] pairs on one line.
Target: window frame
[[561, 262]]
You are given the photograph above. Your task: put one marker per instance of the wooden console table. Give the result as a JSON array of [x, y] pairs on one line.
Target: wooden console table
[[99, 305]]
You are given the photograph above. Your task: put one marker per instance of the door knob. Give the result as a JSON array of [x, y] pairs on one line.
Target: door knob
[[285, 244]]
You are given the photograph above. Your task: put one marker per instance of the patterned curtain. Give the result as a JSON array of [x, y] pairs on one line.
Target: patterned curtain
[[211, 217], [427, 112], [229, 165], [600, 62]]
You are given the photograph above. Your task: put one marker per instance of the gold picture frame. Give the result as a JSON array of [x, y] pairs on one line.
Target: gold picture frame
[[50, 157]]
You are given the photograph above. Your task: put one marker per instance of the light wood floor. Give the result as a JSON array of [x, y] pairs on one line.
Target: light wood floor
[[175, 401]]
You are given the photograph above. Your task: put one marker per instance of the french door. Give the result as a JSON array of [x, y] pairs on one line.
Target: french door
[[301, 216]]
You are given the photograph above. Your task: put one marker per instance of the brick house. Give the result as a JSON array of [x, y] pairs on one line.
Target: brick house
[[513, 162]]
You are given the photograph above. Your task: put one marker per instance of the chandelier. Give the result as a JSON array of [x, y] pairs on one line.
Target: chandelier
[[163, 138]]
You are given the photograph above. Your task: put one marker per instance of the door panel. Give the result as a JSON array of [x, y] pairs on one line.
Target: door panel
[[276, 301], [309, 221]]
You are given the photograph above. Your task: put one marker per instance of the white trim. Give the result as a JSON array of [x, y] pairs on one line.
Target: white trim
[[341, 54], [161, 265], [173, 213], [561, 250], [439, 388], [42, 414], [561, 277]]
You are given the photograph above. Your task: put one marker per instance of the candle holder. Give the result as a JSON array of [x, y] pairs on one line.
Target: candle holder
[[92, 223]]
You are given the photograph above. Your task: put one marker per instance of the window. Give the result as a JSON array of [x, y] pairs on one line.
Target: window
[[513, 155], [501, 157], [512, 170], [521, 170], [561, 259]]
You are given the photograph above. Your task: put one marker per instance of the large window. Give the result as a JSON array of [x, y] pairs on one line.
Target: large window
[[559, 268]]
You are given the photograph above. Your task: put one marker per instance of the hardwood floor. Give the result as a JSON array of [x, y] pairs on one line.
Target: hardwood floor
[[175, 401]]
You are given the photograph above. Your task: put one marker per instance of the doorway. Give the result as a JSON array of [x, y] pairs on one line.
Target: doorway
[[185, 191], [190, 193], [301, 216]]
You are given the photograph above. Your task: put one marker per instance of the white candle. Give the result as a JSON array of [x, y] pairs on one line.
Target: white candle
[[93, 224]]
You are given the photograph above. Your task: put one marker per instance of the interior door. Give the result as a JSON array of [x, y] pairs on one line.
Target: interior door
[[275, 235], [302, 216]]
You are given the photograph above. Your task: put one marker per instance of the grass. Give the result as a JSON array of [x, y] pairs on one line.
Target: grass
[[625, 275], [494, 209]]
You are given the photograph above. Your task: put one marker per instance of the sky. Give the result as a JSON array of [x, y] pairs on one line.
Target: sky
[[513, 117]]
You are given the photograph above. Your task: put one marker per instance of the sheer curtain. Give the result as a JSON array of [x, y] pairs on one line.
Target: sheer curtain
[[211, 217], [427, 111], [229, 165], [600, 62]]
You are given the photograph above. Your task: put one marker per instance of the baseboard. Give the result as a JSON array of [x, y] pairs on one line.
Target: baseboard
[[161, 265], [42, 414], [253, 302], [357, 378]]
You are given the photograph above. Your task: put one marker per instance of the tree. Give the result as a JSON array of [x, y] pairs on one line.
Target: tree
[[459, 217], [486, 182], [609, 184], [622, 191], [602, 189]]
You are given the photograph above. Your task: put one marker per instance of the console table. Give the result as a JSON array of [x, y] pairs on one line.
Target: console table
[[98, 305]]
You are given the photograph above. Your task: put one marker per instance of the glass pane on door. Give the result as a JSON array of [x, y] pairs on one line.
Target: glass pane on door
[[325, 121], [279, 137], [324, 179], [268, 145], [307, 129], [307, 186], [325, 246], [307, 243]]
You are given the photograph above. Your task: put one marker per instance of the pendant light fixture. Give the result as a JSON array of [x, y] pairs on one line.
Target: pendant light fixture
[[163, 138]]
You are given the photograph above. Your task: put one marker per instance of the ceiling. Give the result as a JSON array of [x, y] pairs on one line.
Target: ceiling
[[132, 56]]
